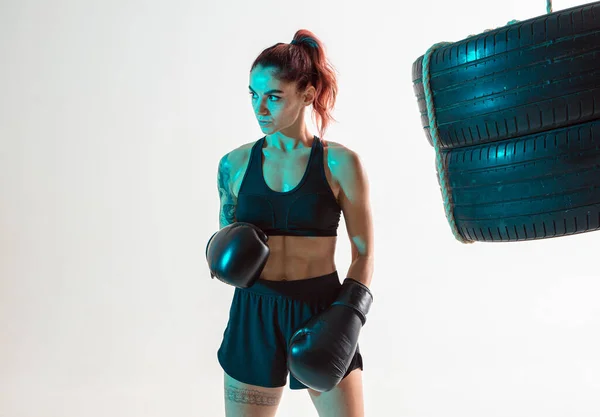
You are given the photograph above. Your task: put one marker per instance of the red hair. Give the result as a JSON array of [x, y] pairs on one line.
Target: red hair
[[304, 61]]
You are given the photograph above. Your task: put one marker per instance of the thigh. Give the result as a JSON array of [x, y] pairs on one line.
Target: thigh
[[245, 400], [345, 400]]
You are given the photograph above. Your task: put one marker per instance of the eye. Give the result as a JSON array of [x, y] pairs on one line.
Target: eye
[[271, 96]]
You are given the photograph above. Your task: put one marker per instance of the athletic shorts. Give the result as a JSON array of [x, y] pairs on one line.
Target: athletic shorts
[[263, 318]]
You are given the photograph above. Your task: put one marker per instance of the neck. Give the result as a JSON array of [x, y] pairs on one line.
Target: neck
[[289, 143]]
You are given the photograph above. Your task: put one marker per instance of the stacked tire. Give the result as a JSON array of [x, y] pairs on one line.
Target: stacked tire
[[518, 119]]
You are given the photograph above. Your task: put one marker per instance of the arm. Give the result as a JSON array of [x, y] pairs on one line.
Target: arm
[[355, 202], [228, 200], [237, 252], [321, 351]]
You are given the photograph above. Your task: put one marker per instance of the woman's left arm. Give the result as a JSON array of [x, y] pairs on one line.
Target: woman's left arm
[[354, 199]]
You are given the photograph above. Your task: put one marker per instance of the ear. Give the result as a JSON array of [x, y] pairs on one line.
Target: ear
[[309, 95]]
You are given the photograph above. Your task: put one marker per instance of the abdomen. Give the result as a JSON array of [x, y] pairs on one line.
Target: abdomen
[[298, 257]]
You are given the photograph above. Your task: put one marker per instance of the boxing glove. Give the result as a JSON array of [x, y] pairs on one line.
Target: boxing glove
[[237, 254], [320, 352]]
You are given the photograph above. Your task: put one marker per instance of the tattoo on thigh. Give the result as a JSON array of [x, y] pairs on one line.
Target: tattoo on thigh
[[250, 396]]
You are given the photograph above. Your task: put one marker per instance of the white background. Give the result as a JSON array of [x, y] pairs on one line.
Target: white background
[[113, 118]]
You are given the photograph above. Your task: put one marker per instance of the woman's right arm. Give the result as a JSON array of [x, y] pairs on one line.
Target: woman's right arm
[[226, 196]]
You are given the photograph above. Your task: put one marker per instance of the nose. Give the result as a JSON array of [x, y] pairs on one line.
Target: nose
[[260, 107]]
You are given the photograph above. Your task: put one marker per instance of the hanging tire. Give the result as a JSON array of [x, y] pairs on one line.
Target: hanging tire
[[525, 78], [533, 187]]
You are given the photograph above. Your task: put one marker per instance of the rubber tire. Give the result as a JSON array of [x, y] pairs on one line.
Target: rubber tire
[[533, 187], [528, 77]]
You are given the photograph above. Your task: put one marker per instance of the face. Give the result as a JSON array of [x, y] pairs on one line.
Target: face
[[277, 103]]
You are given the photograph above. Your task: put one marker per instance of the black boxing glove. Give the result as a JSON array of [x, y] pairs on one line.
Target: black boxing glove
[[237, 254], [320, 352]]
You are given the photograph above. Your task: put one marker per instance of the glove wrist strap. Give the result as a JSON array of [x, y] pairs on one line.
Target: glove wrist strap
[[357, 296]]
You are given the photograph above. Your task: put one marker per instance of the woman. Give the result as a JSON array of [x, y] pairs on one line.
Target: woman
[[293, 186]]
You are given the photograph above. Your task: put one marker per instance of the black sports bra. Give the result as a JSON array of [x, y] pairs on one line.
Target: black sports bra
[[310, 209]]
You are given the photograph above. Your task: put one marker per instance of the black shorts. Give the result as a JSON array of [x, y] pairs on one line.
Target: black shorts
[[263, 318]]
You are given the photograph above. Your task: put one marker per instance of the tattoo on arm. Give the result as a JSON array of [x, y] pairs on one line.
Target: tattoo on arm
[[250, 396], [228, 200], [227, 215]]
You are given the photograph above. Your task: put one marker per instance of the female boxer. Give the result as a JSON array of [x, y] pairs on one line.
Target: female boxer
[[281, 200]]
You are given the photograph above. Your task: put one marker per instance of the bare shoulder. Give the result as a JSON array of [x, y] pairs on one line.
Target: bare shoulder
[[341, 159], [236, 158]]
